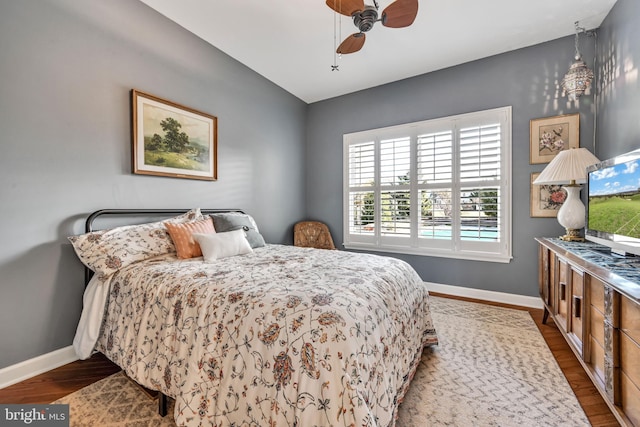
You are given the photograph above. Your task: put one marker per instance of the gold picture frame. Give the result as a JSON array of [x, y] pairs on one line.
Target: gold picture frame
[[172, 140], [546, 199], [550, 135]]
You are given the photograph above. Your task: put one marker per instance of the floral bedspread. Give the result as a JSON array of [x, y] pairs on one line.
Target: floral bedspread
[[284, 336]]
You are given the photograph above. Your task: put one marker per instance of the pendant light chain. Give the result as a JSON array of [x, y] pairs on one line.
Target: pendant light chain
[[337, 33], [576, 41]]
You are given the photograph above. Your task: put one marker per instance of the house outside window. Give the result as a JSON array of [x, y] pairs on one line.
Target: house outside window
[[439, 187]]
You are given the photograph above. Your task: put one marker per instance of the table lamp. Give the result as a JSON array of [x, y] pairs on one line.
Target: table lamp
[[568, 169]]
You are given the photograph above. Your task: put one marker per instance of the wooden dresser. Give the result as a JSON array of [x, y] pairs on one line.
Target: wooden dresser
[[594, 299]]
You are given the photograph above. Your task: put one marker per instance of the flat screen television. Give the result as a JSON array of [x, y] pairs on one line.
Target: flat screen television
[[613, 209]]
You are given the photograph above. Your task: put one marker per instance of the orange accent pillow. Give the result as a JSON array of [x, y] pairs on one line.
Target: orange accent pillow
[[181, 234]]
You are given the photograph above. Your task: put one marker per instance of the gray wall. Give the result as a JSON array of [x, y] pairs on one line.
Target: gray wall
[[67, 68], [525, 79], [618, 117]]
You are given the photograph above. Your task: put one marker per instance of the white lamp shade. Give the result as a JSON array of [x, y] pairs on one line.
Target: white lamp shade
[[569, 165]]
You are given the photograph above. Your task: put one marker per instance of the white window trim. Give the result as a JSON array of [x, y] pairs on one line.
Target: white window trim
[[411, 245]]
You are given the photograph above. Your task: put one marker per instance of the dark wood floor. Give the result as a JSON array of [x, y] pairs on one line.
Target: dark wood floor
[[52, 385]]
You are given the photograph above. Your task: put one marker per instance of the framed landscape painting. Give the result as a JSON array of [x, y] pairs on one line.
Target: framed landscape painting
[[546, 200], [173, 140], [551, 135]]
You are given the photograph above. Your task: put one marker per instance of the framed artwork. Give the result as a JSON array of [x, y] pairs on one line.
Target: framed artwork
[[550, 135], [173, 140], [545, 199]]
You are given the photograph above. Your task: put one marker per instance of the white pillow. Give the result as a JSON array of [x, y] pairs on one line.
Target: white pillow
[[222, 245]]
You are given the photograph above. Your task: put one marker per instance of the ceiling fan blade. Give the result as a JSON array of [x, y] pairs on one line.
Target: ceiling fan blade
[[352, 44], [400, 13], [346, 7]]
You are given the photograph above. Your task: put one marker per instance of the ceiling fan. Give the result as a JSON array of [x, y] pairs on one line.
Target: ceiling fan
[[399, 14]]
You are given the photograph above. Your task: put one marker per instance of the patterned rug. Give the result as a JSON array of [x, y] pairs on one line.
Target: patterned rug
[[491, 368]]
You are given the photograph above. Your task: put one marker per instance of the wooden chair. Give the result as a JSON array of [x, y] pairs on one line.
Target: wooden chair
[[312, 234]]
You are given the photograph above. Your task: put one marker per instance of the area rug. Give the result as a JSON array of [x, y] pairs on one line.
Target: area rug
[[491, 368]]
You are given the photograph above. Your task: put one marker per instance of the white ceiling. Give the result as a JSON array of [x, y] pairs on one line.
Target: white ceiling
[[291, 42]]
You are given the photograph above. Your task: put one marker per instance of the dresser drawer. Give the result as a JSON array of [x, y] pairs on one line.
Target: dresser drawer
[[563, 296], [630, 358], [577, 308], [630, 318], [543, 275], [597, 360], [596, 325], [596, 294], [630, 399]]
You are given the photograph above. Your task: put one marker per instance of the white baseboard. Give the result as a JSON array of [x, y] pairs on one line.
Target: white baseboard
[[30, 368], [502, 297]]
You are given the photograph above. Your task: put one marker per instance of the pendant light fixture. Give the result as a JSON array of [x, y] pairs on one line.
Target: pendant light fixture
[[579, 77]]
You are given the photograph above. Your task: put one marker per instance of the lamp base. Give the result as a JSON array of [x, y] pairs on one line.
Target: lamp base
[[573, 235], [571, 214]]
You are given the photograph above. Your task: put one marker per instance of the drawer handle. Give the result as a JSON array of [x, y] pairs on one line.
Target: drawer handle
[[563, 291], [577, 306]]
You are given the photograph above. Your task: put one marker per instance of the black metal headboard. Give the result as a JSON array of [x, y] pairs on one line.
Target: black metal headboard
[[138, 213]]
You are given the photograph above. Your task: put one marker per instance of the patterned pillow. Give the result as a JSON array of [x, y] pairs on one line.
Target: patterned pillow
[[181, 234], [106, 251]]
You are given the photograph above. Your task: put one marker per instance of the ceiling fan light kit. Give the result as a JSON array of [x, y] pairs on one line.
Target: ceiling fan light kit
[[399, 14]]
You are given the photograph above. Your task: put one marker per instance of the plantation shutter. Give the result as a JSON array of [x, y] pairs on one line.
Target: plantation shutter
[[480, 169], [361, 185], [435, 182], [395, 205]]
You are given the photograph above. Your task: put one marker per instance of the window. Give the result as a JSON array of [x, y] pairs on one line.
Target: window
[[439, 187]]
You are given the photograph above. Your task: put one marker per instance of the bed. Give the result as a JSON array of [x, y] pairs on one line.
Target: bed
[[281, 335]]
